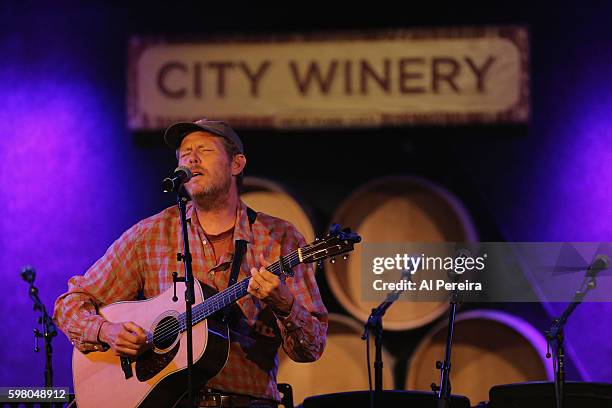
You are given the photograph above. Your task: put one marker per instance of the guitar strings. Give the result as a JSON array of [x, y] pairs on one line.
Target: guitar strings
[[166, 331], [201, 311]]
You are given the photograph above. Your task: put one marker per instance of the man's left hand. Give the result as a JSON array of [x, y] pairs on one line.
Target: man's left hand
[[267, 287]]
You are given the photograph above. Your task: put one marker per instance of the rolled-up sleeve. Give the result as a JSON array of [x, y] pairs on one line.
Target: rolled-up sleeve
[[116, 276]]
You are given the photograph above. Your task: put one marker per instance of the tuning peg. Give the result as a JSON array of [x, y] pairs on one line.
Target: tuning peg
[[334, 229], [332, 260], [345, 257]]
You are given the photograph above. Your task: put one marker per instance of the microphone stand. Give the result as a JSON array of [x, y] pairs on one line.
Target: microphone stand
[[49, 330], [555, 334], [374, 323], [443, 392], [189, 293]]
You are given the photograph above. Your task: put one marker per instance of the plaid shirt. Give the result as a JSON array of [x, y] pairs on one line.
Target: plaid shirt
[[143, 259]]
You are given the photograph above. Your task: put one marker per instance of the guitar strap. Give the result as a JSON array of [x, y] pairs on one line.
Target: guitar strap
[[239, 251]]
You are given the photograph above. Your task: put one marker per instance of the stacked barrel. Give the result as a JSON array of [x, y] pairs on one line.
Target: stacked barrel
[[490, 346]]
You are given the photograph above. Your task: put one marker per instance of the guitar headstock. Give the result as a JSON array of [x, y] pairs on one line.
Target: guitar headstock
[[338, 241]]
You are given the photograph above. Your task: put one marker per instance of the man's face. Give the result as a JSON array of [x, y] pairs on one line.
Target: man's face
[[205, 155]]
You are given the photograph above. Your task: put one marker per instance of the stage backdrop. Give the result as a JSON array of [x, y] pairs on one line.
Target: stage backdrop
[[74, 177]]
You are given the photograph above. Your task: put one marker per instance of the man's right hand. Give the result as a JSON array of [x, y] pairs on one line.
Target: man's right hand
[[126, 339]]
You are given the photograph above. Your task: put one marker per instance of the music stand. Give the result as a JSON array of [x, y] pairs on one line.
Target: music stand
[[541, 394], [388, 399]]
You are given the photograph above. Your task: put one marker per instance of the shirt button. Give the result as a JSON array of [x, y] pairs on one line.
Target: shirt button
[[301, 341], [204, 242], [289, 324]]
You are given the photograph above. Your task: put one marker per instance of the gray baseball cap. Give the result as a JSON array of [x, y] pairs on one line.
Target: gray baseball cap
[[175, 133]]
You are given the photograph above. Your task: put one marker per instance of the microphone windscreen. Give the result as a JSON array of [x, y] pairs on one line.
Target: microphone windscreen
[[186, 171]]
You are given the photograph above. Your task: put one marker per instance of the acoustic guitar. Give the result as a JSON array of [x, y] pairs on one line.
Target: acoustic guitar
[[158, 377]]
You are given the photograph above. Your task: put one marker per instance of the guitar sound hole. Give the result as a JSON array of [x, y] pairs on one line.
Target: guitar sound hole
[[165, 332]]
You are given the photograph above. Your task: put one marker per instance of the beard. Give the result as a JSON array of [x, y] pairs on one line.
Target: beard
[[213, 195]]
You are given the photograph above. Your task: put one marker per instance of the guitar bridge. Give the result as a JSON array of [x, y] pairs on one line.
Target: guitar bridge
[[126, 366]]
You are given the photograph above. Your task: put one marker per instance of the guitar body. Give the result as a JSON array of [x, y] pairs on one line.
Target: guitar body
[[159, 375]]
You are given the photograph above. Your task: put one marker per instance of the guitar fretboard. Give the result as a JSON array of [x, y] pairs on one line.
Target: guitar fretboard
[[230, 295]]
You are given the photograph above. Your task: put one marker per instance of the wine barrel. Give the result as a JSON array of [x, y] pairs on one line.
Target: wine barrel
[[489, 347], [396, 209], [273, 199], [342, 367]]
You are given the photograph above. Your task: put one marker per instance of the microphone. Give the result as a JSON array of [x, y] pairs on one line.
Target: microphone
[[180, 176], [600, 263], [28, 274]]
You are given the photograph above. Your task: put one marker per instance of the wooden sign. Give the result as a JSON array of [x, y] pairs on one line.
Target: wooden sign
[[438, 76]]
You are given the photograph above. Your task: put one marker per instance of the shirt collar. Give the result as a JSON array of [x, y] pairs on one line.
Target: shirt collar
[[242, 228], [190, 210]]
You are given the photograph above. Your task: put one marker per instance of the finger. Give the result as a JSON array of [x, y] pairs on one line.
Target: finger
[[255, 277], [126, 337], [258, 280], [265, 287], [137, 331], [123, 348], [264, 290], [253, 293], [269, 277], [141, 333], [126, 352], [128, 340], [126, 347], [253, 287], [133, 327]]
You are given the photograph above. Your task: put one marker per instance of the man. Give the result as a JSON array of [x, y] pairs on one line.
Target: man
[[142, 260]]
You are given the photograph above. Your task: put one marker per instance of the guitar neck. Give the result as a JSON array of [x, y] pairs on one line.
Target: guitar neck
[[237, 291]]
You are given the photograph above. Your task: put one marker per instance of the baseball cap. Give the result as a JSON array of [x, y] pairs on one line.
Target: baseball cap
[[175, 133]]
